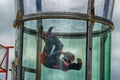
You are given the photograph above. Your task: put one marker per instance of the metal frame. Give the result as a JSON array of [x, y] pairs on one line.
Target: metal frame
[[18, 53], [73, 35], [89, 17], [102, 55], [39, 48], [107, 13], [5, 56], [66, 15], [7, 61], [90, 24]]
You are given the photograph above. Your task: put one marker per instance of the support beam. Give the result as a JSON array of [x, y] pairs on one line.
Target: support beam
[[89, 31], [39, 41]]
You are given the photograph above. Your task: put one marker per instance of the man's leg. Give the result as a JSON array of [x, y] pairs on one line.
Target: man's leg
[[49, 31], [58, 44], [48, 48], [48, 43]]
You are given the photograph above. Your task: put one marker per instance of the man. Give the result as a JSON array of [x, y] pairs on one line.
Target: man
[[57, 59]]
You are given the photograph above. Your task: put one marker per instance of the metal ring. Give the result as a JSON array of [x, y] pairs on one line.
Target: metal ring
[[66, 15]]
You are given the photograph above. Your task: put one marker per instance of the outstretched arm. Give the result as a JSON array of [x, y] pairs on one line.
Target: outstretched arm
[[76, 66]]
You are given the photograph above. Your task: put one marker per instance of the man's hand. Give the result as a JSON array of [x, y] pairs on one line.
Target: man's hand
[[79, 60]]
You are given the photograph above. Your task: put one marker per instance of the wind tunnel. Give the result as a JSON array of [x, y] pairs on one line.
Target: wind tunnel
[[84, 28]]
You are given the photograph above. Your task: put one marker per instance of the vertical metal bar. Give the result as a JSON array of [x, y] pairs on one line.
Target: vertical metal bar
[[38, 5], [20, 53], [106, 8], [90, 25], [89, 51], [39, 47], [7, 54], [22, 7], [101, 59], [102, 56], [90, 6], [103, 39], [110, 58], [20, 44], [39, 41], [111, 7], [17, 8]]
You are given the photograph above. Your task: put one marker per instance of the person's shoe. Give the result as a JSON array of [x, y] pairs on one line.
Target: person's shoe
[[50, 30]]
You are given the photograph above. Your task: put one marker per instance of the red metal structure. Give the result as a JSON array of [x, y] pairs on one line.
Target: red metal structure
[[4, 59]]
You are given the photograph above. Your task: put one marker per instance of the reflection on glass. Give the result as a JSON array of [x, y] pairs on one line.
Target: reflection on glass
[[100, 27], [29, 6], [31, 24], [99, 7], [72, 43], [101, 59], [76, 46], [65, 25], [30, 76], [96, 59], [64, 6], [107, 56], [55, 57], [29, 51], [56, 6]]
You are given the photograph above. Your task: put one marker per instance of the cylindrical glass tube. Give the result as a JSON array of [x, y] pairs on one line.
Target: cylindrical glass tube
[[70, 23]]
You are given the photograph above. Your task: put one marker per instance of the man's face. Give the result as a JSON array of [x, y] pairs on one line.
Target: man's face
[[71, 58]]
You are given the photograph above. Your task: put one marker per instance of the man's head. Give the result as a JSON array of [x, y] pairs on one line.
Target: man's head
[[70, 56]]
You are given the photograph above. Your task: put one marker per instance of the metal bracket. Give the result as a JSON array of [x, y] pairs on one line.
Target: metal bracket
[[91, 16], [15, 62], [17, 23]]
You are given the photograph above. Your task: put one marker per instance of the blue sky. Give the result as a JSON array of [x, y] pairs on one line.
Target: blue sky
[[7, 33]]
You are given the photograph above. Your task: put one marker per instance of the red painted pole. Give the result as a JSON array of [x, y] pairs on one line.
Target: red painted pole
[[7, 57], [7, 60], [9, 46]]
